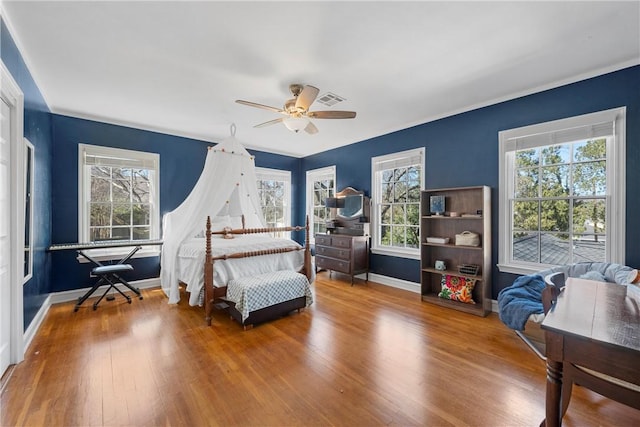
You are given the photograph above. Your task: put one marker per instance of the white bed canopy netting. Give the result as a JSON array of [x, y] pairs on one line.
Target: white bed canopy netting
[[226, 188]]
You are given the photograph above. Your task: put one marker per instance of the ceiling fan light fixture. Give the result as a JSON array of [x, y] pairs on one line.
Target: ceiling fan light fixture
[[296, 124]]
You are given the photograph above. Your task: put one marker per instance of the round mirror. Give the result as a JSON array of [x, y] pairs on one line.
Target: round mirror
[[352, 206]]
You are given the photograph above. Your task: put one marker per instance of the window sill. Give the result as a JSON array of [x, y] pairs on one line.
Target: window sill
[[521, 269], [396, 253], [117, 254]]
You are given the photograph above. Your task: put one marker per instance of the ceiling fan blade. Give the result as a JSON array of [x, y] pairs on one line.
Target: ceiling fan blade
[[269, 123], [306, 97], [264, 107], [311, 129], [332, 114]]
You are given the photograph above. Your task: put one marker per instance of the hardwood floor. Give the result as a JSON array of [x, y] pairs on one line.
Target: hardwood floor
[[360, 355]]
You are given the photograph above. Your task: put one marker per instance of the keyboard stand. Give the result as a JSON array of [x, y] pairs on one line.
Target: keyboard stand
[[108, 274]]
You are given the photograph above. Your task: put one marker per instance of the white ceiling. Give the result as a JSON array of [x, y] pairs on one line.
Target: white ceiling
[[177, 67]]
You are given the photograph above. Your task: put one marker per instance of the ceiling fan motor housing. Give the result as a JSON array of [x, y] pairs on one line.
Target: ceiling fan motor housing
[[290, 107], [295, 89]]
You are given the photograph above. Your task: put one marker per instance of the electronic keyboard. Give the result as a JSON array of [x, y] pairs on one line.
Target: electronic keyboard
[[103, 244]]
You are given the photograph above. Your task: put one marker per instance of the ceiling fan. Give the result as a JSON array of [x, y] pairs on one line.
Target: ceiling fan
[[296, 110]]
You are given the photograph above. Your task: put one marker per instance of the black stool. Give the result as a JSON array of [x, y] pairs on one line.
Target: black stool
[[109, 274]]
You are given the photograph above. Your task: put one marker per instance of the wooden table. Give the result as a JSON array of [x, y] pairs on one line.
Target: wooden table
[[595, 325]]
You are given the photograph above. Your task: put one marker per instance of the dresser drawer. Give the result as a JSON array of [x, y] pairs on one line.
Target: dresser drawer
[[323, 239], [333, 240], [333, 264], [333, 252], [341, 242]]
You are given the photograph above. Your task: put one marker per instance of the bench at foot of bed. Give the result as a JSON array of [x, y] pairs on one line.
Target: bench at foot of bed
[[267, 296], [268, 313]]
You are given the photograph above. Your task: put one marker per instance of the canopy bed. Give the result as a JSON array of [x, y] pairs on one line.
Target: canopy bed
[[235, 237]]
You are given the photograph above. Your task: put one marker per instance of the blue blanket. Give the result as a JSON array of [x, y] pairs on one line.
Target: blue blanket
[[520, 300]]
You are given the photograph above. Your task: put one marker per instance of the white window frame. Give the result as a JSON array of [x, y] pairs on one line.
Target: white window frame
[[152, 161], [267, 174], [378, 164], [29, 160], [313, 176], [616, 184]]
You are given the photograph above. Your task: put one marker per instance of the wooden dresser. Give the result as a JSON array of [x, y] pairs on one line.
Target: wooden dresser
[[343, 253]]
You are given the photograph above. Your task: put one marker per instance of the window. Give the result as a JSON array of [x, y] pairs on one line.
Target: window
[[397, 179], [274, 191], [28, 209], [562, 192], [321, 183], [119, 195]]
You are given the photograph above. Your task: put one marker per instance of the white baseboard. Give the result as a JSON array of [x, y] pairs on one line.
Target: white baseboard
[[30, 333], [394, 283], [72, 295], [408, 286]]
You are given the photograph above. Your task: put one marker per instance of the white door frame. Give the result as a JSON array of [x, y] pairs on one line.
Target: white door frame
[[11, 93]]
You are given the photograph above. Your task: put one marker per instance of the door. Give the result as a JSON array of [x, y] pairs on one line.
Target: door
[[5, 238], [11, 220]]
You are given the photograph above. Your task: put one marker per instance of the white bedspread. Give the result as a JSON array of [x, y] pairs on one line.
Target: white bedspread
[[191, 260]]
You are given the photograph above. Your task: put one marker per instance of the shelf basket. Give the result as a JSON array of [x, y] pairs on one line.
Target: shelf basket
[[468, 269]]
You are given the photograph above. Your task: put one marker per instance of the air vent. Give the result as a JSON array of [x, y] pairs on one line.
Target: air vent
[[329, 99]]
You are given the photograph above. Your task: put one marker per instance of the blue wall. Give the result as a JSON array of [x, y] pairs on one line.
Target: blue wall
[[181, 162], [462, 150], [37, 128]]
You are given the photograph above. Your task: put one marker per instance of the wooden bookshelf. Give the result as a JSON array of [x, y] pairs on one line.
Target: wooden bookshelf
[[476, 203]]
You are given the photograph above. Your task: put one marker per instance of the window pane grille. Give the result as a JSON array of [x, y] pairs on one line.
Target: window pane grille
[[559, 205], [322, 189], [273, 192], [398, 214], [118, 194]]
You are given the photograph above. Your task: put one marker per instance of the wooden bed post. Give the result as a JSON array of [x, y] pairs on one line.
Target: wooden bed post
[[307, 252], [208, 275]]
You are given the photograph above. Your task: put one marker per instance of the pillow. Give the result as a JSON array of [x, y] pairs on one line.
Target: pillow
[[594, 275], [457, 288], [633, 277], [227, 233]]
